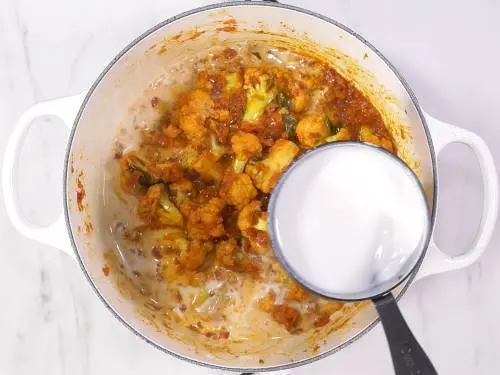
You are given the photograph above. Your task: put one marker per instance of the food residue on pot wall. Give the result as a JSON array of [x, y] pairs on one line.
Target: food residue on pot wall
[[163, 45], [189, 35], [230, 25], [105, 270], [80, 192], [88, 227], [81, 204]]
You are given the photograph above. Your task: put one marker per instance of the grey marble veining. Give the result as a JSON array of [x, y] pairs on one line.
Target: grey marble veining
[[50, 320]]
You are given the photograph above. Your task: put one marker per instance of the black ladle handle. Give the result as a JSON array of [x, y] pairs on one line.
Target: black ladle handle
[[408, 356]]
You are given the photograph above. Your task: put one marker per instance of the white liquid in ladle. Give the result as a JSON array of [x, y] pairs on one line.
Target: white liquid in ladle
[[350, 220]]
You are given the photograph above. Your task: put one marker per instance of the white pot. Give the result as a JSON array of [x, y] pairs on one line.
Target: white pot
[[95, 116]]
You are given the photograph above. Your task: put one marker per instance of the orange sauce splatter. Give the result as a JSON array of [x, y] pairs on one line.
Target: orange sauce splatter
[[88, 227], [196, 35], [230, 26], [105, 270], [80, 192]]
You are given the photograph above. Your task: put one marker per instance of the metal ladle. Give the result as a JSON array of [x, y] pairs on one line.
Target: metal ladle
[[389, 233]]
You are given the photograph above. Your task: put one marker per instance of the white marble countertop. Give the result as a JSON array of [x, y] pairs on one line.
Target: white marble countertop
[[50, 320]]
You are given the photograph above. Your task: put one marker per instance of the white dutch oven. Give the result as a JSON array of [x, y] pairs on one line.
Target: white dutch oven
[[94, 117]]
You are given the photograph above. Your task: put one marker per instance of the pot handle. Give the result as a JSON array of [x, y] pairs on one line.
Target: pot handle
[[443, 134], [54, 234]]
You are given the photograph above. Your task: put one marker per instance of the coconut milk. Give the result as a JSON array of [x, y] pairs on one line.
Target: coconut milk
[[350, 220]]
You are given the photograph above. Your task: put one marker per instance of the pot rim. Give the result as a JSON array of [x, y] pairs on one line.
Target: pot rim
[[132, 44]]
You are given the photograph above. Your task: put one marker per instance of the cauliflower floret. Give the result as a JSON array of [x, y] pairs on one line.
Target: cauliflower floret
[[259, 240], [229, 255], [251, 75], [182, 191], [193, 113], [208, 167], [225, 252], [297, 97], [249, 216], [299, 93], [312, 130], [200, 100], [294, 95], [300, 101], [233, 81], [265, 173], [193, 128], [259, 93], [170, 171], [245, 146], [147, 205], [253, 225], [206, 221], [269, 128], [137, 173], [342, 134], [217, 149], [188, 156], [219, 125], [171, 131], [205, 80], [157, 209], [193, 257], [237, 188], [367, 135]]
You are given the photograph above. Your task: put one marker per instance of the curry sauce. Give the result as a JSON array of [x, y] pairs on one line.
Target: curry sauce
[[202, 176]]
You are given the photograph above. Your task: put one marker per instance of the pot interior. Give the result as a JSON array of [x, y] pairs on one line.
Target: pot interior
[[152, 60]]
